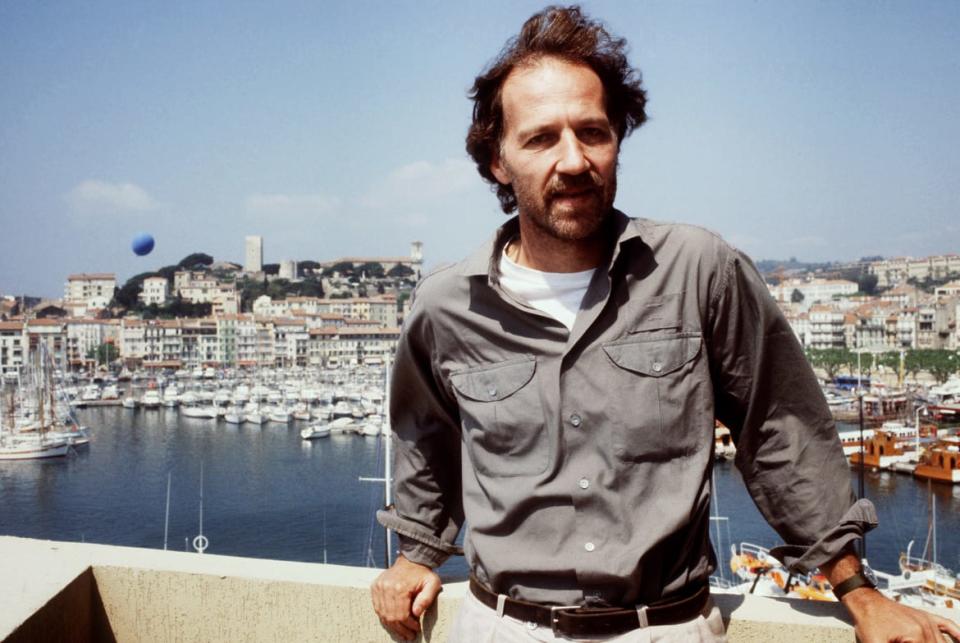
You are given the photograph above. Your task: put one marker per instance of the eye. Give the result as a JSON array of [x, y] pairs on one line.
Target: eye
[[595, 135], [539, 140]]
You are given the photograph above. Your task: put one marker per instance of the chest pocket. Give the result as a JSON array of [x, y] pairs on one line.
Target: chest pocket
[[502, 418], [662, 391]]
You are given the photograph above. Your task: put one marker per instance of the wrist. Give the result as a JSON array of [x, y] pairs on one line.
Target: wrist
[[860, 596]]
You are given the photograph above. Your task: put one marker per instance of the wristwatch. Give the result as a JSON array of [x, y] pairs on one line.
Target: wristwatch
[[863, 578]]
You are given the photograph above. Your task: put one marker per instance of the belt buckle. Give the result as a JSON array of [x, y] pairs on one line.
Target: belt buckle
[[555, 611]]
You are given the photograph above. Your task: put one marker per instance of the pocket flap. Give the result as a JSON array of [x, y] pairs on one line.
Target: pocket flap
[[494, 383], [655, 356]]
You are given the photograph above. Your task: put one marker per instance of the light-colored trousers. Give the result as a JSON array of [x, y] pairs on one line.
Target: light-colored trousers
[[477, 623]]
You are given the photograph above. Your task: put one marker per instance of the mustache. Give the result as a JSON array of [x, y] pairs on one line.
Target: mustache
[[565, 183]]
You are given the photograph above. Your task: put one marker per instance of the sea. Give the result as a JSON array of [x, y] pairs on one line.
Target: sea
[[267, 493]]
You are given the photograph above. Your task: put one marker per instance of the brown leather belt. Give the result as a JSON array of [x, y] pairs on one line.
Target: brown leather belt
[[574, 621]]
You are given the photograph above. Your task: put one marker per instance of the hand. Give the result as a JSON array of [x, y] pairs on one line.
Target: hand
[[402, 594], [878, 619]]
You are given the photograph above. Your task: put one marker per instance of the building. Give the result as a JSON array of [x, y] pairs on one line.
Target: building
[[288, 270], [12, 343], [85, 336], [202, 288], [414, 262], [826, 328], [381, 309], [351, 346], [253, 256], [814, 291], [89, 291], [156, 290], [890, 272]]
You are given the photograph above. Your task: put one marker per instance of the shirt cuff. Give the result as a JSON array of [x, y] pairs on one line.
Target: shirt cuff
[[860, 518], [416, 543]]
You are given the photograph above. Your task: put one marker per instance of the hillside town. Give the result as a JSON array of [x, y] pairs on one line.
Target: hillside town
[[205, 314], [347, 311]]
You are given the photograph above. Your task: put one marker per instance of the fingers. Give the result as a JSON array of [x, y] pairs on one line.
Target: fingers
[[401, 629], [947, 626], [428, 594], [392, 597]]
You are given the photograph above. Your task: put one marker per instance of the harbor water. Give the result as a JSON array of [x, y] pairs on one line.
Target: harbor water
[[267, 493]]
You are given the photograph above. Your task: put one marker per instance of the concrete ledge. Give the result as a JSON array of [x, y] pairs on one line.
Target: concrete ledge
[[82, 592]]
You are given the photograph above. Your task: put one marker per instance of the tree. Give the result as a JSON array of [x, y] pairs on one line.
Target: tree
[[168, 272], [195, 260], [372, 269], [941, 364], [105, 353], [271, 269], [399, 271], [304, 266], [796, 296], [309, 287], [345, 268], [129, 295], [831, 360], [867, 284]]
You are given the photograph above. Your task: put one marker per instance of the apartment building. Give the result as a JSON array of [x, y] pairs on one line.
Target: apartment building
[[894, 271], [814, 291], [155, 290], [351, 346], [89, 291]]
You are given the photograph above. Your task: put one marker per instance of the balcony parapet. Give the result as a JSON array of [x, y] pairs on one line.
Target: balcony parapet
[[83, 592]]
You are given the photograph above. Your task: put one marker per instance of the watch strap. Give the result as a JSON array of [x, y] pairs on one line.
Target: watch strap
[[856, 581]]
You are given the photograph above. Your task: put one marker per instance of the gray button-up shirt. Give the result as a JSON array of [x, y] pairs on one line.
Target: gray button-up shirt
[[581, 459]]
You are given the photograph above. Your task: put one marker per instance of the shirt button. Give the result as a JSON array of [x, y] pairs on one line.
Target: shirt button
[[657, 367], [589, 546], [575, 420], [492, 391], [531, 625], [584, 483]]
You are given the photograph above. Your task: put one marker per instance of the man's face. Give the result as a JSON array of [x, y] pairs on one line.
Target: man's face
[[558, 150]]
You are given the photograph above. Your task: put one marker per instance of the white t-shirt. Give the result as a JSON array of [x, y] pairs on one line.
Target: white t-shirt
[[558, 294]]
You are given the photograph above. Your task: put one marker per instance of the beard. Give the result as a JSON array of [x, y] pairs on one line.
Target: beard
[[572, 208]]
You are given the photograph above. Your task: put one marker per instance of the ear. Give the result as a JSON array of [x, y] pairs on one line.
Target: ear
[[498, 170]]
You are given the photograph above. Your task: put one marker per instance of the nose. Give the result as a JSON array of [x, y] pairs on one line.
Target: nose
[[572, 159]]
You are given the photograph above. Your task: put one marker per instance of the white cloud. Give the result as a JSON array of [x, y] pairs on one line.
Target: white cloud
[[422, 182], [291, 205], [94, 196]]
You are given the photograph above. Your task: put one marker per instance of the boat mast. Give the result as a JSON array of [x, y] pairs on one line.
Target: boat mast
[[166, 518]]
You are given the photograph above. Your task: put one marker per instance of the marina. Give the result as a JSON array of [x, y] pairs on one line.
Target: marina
[[271, 493], [281, 462]]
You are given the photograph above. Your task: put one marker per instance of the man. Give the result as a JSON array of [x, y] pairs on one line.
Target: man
[[557, 390]]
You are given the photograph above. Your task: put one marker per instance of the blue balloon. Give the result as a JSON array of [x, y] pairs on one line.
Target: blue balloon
[[142, 244]]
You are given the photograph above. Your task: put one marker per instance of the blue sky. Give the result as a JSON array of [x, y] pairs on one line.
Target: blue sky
[[821, 130]]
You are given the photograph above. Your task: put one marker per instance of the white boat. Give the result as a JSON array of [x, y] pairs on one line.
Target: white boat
[[280, 415], [315, 431], [90, 393], [233, 415], [254, 417], [371, 428], [129, 402], [110, 392], [301, 413], [31, 447], [199, 411], [151, 399]]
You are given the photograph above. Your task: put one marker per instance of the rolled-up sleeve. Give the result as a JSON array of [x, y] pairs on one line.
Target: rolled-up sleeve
[[428, 512], [788, 449]]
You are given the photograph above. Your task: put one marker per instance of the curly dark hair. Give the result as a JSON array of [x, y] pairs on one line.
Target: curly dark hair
[[565, 33]]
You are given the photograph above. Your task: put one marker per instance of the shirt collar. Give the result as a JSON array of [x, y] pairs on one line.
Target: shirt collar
[[486, 259]]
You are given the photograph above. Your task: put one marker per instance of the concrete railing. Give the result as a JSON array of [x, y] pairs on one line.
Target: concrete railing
[[59, 591]]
